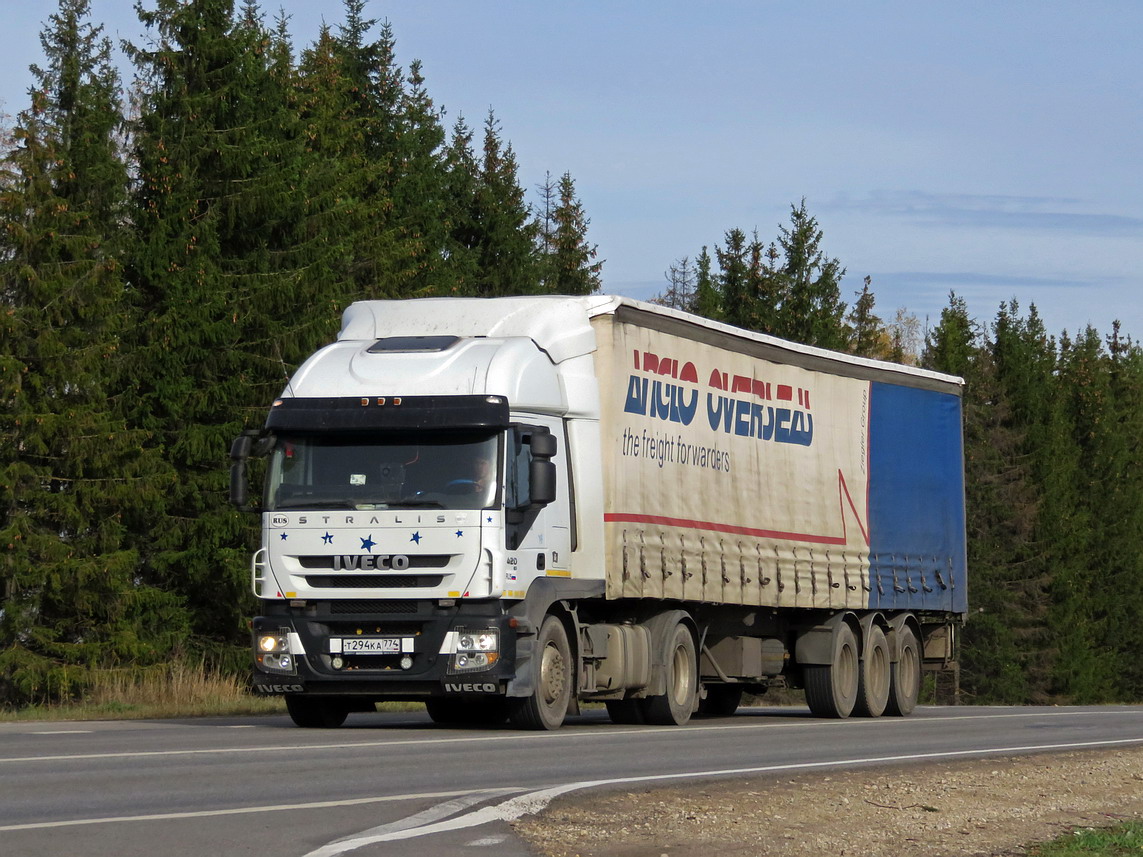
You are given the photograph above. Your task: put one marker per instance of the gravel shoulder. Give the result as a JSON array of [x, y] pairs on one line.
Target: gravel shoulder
[[987, 807]]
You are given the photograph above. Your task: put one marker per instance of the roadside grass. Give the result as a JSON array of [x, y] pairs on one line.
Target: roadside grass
[[155, 693], [175, 690], [1115, 841]]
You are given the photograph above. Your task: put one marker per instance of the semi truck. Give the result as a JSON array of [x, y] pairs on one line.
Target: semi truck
[[506, 508]]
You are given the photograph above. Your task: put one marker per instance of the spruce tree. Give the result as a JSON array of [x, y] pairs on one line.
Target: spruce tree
[[76, 484], [732, 280], [707, 298], [509, 264], [220, 279], [1100, 595], [571, 267], [492, 248], [812, 311], [868, 332], [992, 655], [347, 181]]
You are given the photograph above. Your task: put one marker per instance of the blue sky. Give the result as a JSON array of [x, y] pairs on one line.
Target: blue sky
[[988, 148]]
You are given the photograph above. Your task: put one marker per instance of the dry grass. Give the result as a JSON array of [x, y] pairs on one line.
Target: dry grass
[[175, 690]]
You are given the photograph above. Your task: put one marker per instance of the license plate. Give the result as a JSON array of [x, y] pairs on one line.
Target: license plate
[[371, 645]]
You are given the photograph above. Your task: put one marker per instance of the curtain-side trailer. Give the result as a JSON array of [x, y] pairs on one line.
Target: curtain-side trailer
[[506, 507]]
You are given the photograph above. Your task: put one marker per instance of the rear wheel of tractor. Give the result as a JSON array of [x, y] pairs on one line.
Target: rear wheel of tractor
[[831, 689], [310, 713], [552, 675], [905, 675], [873, 686], [675, 707], [722, 700]]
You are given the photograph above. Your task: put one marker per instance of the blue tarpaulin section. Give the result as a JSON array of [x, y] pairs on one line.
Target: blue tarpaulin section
[[916, 501]]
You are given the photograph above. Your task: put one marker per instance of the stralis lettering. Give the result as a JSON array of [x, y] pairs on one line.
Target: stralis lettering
[[397, 562]]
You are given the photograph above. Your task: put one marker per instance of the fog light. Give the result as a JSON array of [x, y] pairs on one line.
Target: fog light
[[338, 663], [407, 662]]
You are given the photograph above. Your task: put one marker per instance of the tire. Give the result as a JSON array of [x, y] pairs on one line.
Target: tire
[[467, 712], [722, 700], [905, 675], [547, 707], [873, 686], [831, 689], [311, 713], [627, 712], [675, 707]]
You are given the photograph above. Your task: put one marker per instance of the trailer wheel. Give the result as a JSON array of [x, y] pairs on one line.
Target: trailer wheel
[[467, 712], [310, 713], [722, 700], [831, 689], [627, 712], [905, 675], [873, 685], [548, 704], [674, 708]]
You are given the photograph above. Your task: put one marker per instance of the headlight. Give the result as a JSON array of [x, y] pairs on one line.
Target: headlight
[[273, 643], [475, 650], [272, 652]]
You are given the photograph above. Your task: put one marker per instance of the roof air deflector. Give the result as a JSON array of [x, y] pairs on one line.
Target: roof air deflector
[[413, 344]]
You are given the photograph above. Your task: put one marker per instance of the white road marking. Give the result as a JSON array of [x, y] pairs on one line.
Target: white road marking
[[208, 813], [62, 732], [595, 734], [533, 802]]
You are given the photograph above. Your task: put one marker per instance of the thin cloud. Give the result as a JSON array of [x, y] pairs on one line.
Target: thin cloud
[[991, 211]]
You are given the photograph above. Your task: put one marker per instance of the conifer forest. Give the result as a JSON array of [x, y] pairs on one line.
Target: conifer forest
[[173, 246]]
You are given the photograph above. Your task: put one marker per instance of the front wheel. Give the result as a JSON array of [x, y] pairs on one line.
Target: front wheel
[[311, 713], [552, 675]]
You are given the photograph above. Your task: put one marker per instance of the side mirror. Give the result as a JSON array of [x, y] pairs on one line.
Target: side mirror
[[239, 452], [542, 481], [541, 470]]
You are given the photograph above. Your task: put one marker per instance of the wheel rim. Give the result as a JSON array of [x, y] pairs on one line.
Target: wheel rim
[[552, 678], [845, 672], [908, 674], [879, 673], [680, 675]]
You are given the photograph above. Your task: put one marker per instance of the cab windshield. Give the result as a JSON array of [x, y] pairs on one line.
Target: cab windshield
[[393, 471]]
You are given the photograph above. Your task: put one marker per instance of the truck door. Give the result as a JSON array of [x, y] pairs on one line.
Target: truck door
[[539, 540]]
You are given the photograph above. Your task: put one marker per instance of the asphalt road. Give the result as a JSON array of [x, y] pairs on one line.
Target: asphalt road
[[395, 784]]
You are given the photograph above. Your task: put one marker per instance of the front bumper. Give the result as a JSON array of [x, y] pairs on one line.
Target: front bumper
[[422, 666]]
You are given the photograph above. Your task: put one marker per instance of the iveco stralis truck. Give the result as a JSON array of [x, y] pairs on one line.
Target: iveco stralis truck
[[507, 507]]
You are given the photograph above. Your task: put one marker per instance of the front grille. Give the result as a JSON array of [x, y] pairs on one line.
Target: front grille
[[373, 581], [371, 607]]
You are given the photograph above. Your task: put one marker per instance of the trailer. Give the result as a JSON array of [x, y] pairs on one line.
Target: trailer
[[507, 507]]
